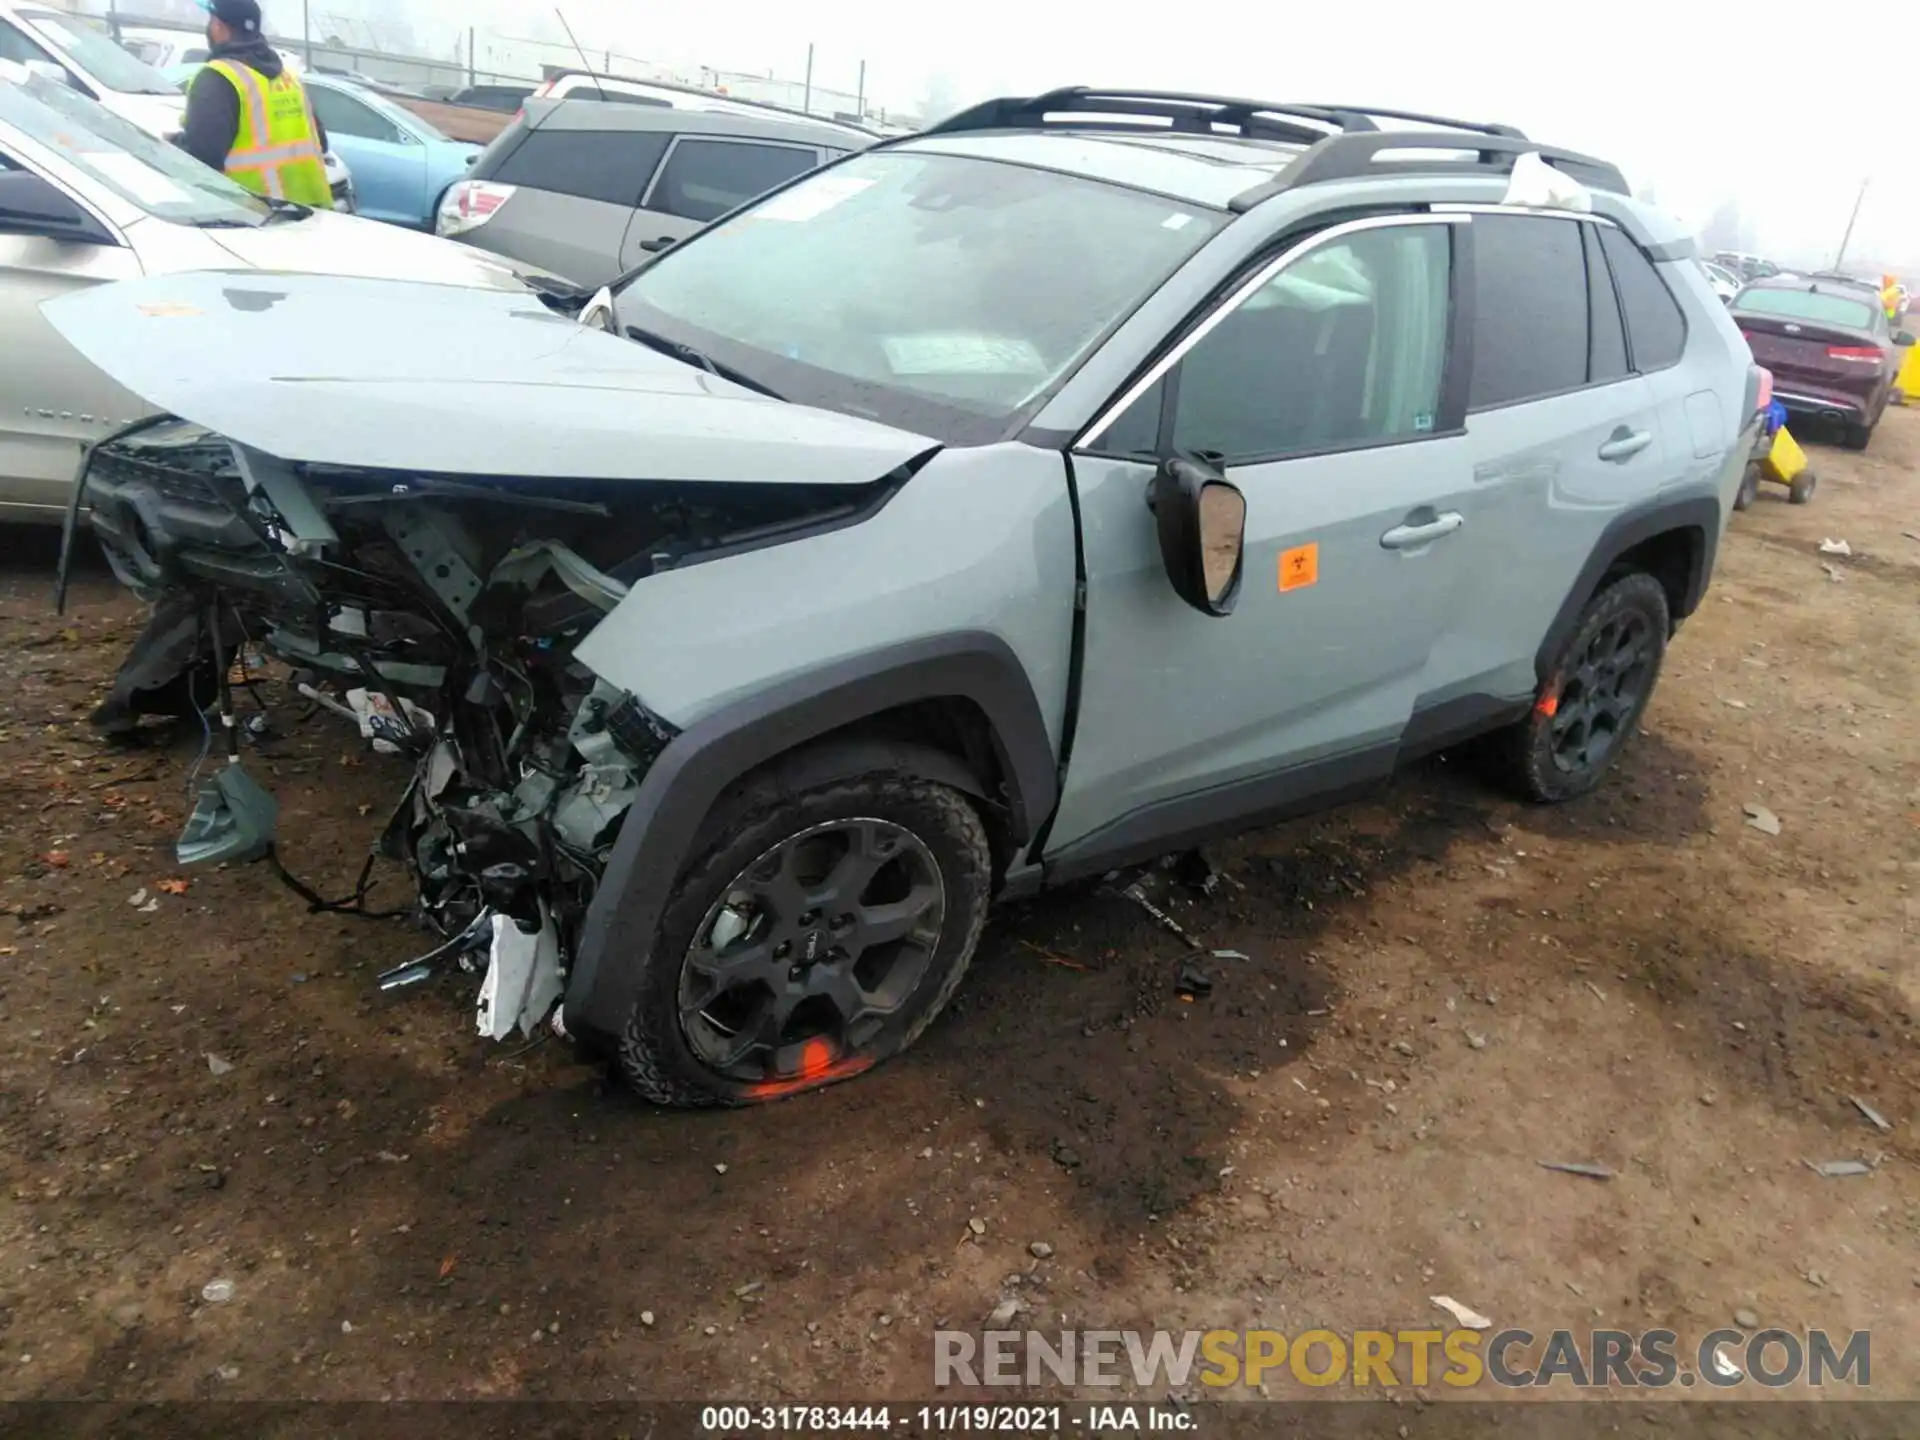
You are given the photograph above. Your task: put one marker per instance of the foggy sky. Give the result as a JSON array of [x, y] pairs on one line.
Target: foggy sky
[[1670, 91]]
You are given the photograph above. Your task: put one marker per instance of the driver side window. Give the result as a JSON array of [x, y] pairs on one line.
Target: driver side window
[[1344, 347], [343, 115]]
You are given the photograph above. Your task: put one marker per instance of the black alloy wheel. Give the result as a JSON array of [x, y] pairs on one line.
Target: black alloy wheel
[[814, 946], [817, 934], [1600, 685]]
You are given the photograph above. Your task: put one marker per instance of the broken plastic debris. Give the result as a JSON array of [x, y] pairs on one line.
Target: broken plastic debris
[[1840, 1169], [1472, 1319], [1835, 547], [1834, 572], [1139, 897], [217, 1292], [1228, 955], [1762, 819], [1725, 1367], [388, 729], [1874, 1117], [1577, 1167], [523, 978], [1193, 983], [217, 1065]]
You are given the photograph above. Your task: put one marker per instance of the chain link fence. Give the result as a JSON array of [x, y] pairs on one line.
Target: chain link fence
[[392, 52]]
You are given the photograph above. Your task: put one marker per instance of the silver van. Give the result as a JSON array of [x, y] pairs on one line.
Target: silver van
[[589, 188]]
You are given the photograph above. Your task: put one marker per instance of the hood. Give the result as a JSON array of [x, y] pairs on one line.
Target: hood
[[158, 115], [255, 53], [328, 242], [392, 375]]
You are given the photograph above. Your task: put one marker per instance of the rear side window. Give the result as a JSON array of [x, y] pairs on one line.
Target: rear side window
[[1606, 340], [593, 165], [1531, 312], [704, 179], [1655, 326]]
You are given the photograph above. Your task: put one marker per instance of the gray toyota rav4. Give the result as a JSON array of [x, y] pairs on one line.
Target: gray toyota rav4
[[1089, 475]]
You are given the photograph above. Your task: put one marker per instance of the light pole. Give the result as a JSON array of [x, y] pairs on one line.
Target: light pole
[[1846, 238]]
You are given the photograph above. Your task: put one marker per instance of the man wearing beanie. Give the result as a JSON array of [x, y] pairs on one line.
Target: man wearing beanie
[[248, 115]]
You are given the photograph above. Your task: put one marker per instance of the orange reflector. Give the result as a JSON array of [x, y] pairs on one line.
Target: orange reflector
[[1547, 705], [816, 1057]]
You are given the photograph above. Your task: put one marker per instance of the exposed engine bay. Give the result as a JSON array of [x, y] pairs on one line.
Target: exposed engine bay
[[440, 616]]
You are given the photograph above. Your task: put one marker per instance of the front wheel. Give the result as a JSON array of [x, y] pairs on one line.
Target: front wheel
[[1601, 682], [818, 936]]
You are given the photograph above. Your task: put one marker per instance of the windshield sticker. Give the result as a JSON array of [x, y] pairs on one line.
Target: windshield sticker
[[812, 198], [1176, 221], [140, 181], [963, 355]]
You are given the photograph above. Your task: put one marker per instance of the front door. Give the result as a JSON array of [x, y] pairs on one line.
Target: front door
[[1322, 389], [52, 402]]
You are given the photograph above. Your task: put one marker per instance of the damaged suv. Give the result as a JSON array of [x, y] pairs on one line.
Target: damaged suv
[[1087, 476]]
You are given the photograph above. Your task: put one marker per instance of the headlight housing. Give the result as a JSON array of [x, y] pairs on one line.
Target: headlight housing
[[598, 312]]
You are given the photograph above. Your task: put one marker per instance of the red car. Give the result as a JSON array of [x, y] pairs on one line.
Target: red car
[[1828, 344]]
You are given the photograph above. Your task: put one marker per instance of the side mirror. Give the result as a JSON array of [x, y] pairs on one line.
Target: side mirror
[[1904, 337], [1202, 522], [47, 70], [30, 205]]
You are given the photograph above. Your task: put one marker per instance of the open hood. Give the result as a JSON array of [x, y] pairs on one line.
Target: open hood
[[439, 379]]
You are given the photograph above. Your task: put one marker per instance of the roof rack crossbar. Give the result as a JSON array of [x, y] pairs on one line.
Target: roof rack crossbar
[[1351, 157], [1186, 113], [1415, 116]]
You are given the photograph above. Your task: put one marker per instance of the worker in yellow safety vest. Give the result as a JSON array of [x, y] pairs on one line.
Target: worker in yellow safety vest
[[1890, 296], [249, 116]]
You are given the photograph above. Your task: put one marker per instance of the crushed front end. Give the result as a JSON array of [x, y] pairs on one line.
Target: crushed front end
[[439, 616]]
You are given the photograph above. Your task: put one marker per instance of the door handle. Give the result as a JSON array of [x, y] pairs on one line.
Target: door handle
[[1624, 444], [1422, 531], [660, 244]]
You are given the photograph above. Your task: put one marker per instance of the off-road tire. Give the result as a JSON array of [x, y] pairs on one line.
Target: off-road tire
[[1749, 486], [1801, 491], [653, 1054], [1527, 759]]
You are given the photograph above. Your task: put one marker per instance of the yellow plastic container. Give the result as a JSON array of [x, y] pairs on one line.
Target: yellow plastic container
[[1785, 460], [1906, 385]]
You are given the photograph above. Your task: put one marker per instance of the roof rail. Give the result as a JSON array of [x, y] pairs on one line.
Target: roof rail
[[1374, 112], [1352, 157], [1189, 114], [1195, 113]]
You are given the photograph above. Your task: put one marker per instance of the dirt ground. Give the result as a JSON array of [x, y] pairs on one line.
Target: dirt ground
[[1443, 989]]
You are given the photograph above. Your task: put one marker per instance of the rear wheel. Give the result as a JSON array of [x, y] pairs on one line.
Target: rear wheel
[[818, 936], [1801, 491], [1600, 685], [1857, 436]]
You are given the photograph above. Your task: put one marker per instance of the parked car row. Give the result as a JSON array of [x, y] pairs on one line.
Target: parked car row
[[590, 188], [792, 605], [87, 198], [1832, 350]]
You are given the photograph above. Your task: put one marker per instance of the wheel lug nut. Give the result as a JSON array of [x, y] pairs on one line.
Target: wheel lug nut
[[812, 917], [783, 949]]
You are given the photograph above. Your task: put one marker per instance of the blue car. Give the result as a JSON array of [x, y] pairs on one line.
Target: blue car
[[401, 165]]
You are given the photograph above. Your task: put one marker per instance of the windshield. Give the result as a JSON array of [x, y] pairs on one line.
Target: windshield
[[98, 55], [141, 170], [1814, 305], [942, 294]]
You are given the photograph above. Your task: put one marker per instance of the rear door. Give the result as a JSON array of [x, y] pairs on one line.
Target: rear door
[[1563, 437], [575, 191], [706, 176]]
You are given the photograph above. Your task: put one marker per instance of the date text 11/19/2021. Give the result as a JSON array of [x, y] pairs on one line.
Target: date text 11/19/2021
[[730, 1420]]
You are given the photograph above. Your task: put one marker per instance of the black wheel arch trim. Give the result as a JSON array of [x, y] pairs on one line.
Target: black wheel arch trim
[[781, 723], [1695, 511]]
